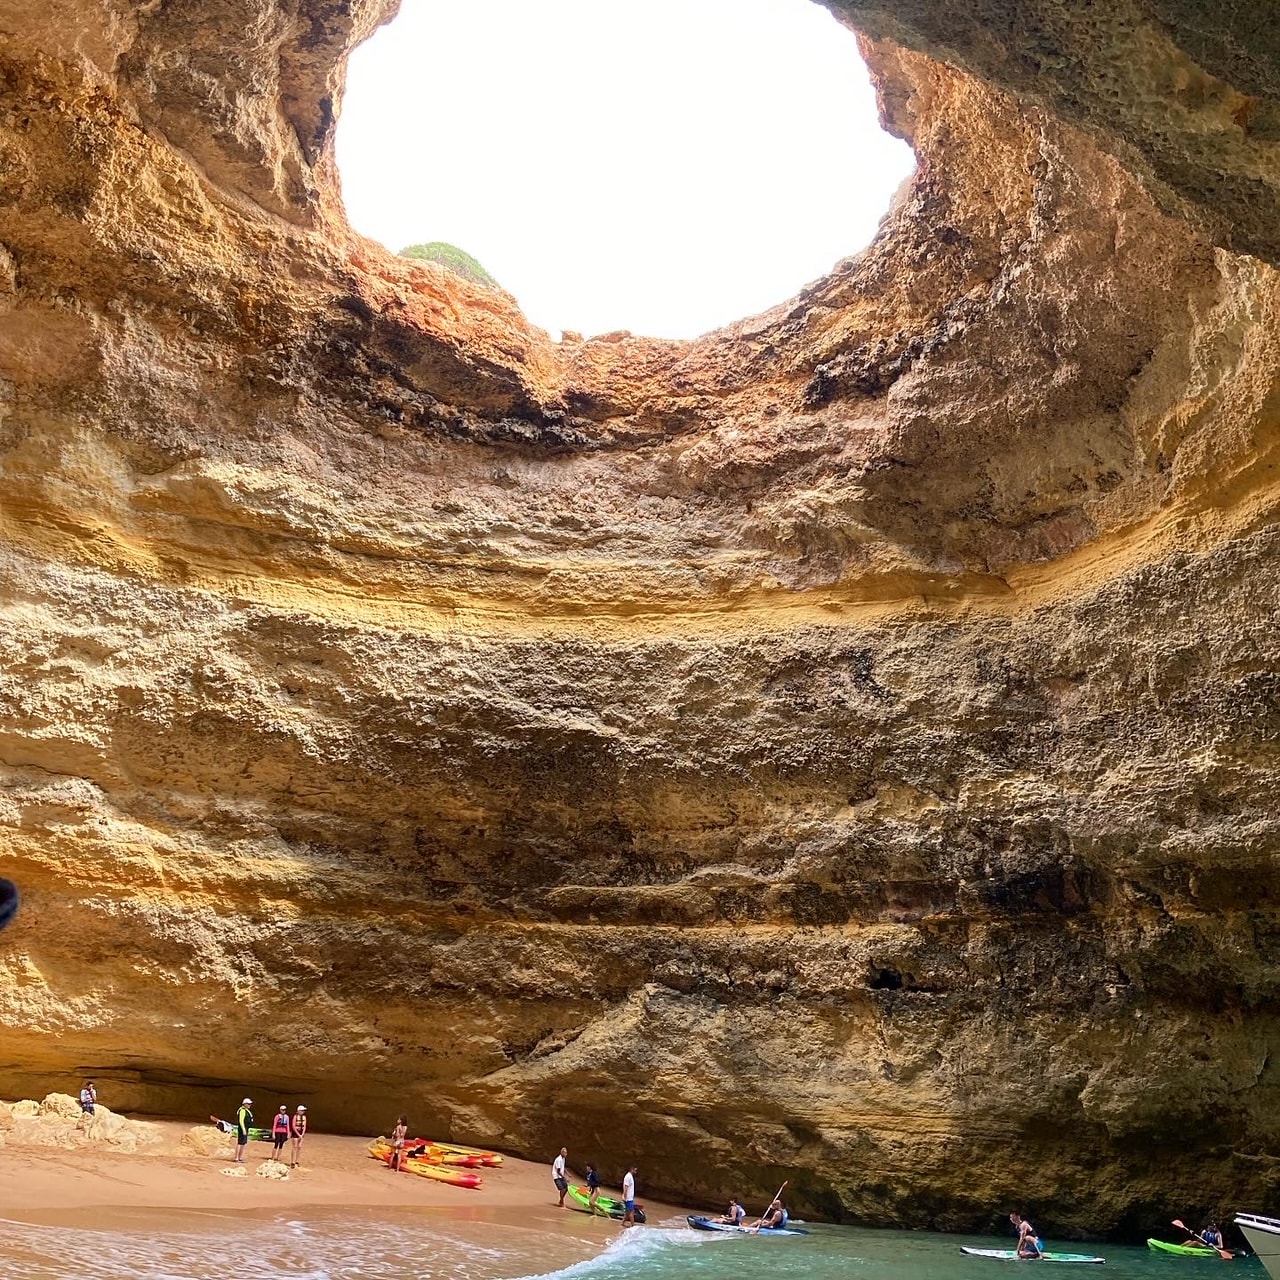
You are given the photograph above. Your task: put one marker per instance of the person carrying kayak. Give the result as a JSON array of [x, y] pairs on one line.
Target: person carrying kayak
[[1029, 1244], [593, 1189], [734, 1215]]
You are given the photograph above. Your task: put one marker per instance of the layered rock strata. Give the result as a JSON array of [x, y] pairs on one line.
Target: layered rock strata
[[840, 748]]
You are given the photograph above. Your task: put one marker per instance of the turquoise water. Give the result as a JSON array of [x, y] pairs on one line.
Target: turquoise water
[[346, 1245]]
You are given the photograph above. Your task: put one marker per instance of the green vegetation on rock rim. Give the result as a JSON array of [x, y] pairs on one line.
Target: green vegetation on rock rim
[[456, 260]]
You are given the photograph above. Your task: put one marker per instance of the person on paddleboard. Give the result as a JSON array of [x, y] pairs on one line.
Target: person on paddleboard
[[1029, 1244]]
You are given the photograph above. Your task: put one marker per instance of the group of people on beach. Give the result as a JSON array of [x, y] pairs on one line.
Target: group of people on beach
[[285, 1128], [560, 1176]]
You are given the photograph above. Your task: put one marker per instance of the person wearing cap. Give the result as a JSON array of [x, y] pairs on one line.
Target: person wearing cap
[[244, 1118], [279, 1132], [298, 1128]]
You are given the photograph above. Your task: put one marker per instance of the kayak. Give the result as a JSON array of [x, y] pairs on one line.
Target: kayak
[[489, 1159], [443, 1173], [1184, 1250], [382, 1150], [705, 1224], [605, 1204], [437, 1153], [1011, 1255]]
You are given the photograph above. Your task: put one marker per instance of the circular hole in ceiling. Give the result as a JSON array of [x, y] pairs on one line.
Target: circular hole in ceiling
[[665, 168]]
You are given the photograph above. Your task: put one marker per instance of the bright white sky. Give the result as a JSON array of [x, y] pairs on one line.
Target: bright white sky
[[666, 166]]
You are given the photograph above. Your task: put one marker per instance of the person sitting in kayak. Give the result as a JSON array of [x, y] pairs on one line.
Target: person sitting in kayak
[[1029, 1244], [775, 1218], [1212, 1236], [735, 1214]]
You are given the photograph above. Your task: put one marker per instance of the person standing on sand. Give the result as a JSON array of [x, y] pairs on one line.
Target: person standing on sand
[[629, 1198], [88, 1098], [244, 1118], [398, 1137], [593, 1188], [559, 1174], [298, 1130], [279, 1132]]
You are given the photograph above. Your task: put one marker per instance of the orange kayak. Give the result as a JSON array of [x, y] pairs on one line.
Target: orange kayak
[[443, 1173], [439, 1153], [425, 1166]]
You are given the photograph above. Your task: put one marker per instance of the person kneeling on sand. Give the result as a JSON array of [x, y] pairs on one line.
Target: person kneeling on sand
[[298, 1129]]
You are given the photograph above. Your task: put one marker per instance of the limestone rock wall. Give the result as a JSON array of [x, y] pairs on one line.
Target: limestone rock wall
[[842, 747]]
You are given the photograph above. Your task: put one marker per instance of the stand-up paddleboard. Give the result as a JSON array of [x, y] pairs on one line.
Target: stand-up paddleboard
[[8, 901], [727, 1228], [1011, 1255], [606, 1205]]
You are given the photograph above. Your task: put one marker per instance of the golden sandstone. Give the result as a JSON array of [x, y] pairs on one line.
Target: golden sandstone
[[841, 747]]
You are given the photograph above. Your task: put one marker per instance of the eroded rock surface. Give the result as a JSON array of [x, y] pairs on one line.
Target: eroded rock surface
[[842, 747]]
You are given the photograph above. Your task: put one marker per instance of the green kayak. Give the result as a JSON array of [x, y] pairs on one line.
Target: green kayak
[[606, 1205], [1184, 1250]]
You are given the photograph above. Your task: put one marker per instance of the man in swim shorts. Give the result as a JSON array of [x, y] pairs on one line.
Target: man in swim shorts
[[629, 1198], [559, 1173]]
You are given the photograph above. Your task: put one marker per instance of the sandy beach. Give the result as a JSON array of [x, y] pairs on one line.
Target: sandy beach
[[51, 1176]]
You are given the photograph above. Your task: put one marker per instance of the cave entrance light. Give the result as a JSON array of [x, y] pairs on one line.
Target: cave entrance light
[[666, 168]]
